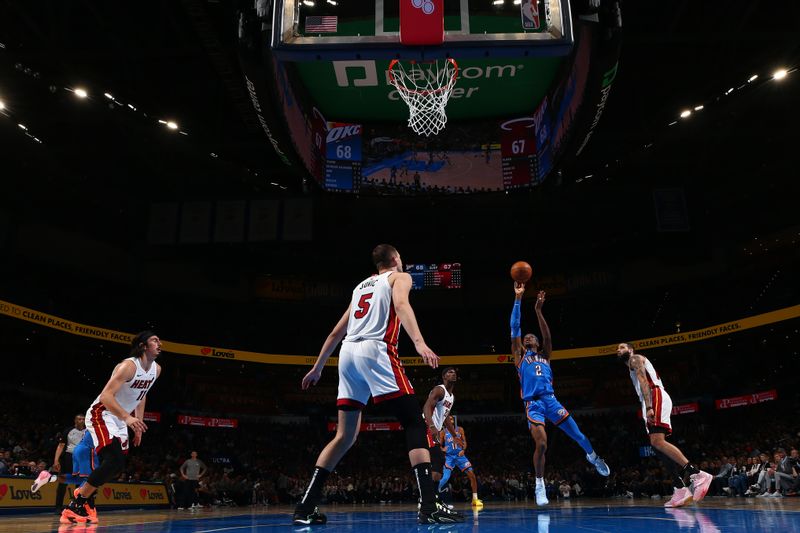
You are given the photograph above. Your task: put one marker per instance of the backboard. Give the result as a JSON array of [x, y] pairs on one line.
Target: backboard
[[307, 30]]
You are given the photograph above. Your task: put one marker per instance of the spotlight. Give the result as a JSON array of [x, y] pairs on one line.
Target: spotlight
[[498, 2], [752, 78], [23, 127], [2, 105], [698, 108], [333, 2], [685, 113], [171, 125], [779, 74], [81, 93], [108, 95]]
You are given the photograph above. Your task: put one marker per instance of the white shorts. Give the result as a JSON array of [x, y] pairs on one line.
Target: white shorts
[[370, 368], [662, 407], [105, 427]]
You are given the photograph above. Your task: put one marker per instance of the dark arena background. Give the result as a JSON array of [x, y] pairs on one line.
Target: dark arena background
[[219, 172]]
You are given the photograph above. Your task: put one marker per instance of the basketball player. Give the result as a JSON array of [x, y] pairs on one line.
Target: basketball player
[[62, 462], [436, 410], [536, 389], [656, 409], [454, 442], [119, 406], [370, 366]]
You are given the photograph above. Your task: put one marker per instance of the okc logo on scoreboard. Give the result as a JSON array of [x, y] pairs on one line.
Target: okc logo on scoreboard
[[343, 141], [426, 6], [340, 131]]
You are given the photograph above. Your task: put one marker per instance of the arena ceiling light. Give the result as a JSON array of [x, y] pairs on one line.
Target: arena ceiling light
[[332, 2], [2, 105], [498, 2], [699, 107], [81, 92], [172, 125], [779, 74], [752, 78], [685, 113]]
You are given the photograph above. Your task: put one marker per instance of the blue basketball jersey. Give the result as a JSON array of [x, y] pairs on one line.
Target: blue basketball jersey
[[535, 376], [452, 447]]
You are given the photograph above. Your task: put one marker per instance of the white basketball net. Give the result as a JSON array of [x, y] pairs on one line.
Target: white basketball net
[[426, 88]]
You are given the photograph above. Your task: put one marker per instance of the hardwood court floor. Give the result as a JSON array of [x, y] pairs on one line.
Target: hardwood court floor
[[715, 515]]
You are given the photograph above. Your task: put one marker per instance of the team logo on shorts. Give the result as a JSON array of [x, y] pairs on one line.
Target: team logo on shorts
[[562, 412]]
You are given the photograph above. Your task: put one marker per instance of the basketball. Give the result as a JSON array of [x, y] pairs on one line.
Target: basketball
[[521, 271]]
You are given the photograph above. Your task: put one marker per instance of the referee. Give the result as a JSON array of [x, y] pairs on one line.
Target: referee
[[62, 464]]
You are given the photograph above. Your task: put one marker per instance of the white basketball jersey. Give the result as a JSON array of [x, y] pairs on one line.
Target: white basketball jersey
[[372, 315], [652, 378], [443, 408], [132, 392]]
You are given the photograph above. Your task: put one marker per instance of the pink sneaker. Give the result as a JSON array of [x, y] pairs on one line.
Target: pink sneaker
[[43, 479], [680, 497], [701, 481]]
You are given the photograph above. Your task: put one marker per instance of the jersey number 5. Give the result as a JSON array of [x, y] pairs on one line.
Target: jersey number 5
[[363, 305]]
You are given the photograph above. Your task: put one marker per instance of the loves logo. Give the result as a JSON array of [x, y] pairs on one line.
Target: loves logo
[[206, 351], [143, 493], [3, 491], [107, 492], [502, 358]]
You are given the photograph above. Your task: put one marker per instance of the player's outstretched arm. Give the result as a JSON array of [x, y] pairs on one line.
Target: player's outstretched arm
[[331, 342], [401, 287], [547, 340], [516, 316]]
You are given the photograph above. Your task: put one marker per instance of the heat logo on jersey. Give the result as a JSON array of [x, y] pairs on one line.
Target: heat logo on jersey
[[426, 6]]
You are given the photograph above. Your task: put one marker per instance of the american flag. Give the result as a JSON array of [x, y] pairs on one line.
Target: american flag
[[325, 24]]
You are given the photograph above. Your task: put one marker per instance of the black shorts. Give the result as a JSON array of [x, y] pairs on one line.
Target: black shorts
[[437, 459], [66, 463]]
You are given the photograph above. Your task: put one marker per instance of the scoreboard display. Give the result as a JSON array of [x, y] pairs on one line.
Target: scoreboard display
[[518, 151], [342, 157], [435, 275]]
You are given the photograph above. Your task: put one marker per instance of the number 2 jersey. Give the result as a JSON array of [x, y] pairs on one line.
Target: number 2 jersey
[[535, 376], [372, 314]]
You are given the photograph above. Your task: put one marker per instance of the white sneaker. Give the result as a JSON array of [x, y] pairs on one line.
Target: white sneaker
[[600, 465], [776, 494], [43, 479], [541, 495], [680, 497], [763, 495]]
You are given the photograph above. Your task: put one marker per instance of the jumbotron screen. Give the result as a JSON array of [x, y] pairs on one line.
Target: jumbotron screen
[[435, 275]]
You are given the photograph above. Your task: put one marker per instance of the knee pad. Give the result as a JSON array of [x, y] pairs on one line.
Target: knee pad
[[408, 413]]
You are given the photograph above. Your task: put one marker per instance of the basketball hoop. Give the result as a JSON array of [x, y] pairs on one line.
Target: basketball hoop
[[426, 88]]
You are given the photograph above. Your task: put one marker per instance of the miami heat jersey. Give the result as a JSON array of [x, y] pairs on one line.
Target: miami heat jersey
[[535, 376], [452, 446], [132, 392], [443, 408], [372, 315], [652, 378]]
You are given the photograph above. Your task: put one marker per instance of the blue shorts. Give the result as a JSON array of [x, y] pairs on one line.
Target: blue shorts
[[84, 460], [546, 407], [460, 461]]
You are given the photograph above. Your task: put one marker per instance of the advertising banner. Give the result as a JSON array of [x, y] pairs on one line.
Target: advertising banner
[[747, 399], [208, 422], [16, 493]]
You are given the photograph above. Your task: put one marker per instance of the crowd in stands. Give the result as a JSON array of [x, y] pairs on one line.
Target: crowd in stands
[[269, 463]]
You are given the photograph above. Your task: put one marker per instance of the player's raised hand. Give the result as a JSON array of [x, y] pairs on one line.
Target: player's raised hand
[[539, 300], [311, 378], [430, 358], [519, 289]]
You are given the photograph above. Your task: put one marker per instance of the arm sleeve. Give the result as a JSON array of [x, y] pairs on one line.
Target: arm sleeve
[[515, 319]]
